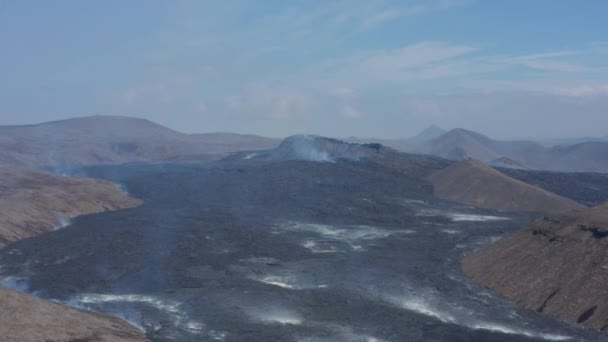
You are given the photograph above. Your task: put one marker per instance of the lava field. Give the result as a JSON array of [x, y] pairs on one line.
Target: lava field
[[246, 250]]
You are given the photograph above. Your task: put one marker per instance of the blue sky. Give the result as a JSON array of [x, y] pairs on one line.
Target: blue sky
[[510, 69]]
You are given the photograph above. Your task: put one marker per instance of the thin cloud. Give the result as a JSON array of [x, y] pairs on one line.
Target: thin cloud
[[390, 14]]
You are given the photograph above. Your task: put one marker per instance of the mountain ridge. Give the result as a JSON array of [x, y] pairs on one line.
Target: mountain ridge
[[113, 139]]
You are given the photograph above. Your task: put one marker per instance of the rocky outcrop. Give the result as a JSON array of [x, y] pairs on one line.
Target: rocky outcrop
[[474, 183], [557, 265], [26, 318], [35, 202]]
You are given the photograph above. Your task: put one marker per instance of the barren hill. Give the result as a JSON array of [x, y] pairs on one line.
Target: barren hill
[[35, 202], [472, 182], [558, 265], [26, 318], [112, 139]]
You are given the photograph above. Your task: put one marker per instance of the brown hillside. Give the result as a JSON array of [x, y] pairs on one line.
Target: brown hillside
[[35, 202], [26, 318], [558, 265], [472, 182]]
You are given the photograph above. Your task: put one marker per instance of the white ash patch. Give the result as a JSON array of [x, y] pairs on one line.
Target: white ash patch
[[459, 217], [353, 236], [427, 303], [275, 314]]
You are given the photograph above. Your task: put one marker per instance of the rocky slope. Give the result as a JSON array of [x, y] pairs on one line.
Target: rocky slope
[[35, 202], [111, 139], [26, 318], [472, 182], [557, 265]]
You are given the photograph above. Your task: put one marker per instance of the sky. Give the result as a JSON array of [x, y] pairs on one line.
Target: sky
[[367, 68]]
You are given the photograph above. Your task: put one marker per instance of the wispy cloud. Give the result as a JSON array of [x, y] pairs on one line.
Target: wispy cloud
[[406, 9], [548, 61], [408, 63]]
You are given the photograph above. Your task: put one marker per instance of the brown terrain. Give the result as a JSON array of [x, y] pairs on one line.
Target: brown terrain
[[24, 318], [35, 202], [472, 182], [557, 265]]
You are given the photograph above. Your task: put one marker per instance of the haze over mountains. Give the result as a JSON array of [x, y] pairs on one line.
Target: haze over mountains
[[110, 140], [584, 155], [461, 144]]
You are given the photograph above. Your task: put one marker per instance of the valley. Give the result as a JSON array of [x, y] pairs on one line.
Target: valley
[[283, 250]]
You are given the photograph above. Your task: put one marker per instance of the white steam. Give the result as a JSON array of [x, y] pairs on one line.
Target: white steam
[[14, 283], [426, 303], [333, 332], [353, 236], [276, 315], [170, 308], [459, 217], [62, 222], [304, 148]]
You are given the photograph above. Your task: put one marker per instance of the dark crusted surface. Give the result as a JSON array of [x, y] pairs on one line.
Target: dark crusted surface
[[588, 188], [282, 251]]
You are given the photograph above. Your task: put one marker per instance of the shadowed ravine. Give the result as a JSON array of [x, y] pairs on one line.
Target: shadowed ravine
[[281, 251]]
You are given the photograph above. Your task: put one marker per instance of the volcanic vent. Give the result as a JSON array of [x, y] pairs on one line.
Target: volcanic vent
[[317, 149]]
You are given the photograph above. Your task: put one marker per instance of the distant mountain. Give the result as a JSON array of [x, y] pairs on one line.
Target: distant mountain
[[412, 144], [429, 133], [474, 183], [460, 144], [111, 139], [26, 318], [35, 202], [572, 141], [557, 265]]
